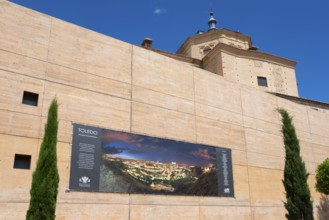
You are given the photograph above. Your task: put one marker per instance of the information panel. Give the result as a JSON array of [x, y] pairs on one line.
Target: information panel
[[104, 160]]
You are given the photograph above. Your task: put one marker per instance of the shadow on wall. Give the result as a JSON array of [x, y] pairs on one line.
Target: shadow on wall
[[323, 208]]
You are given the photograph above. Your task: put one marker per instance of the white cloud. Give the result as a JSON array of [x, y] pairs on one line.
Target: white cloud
[[159, 11]]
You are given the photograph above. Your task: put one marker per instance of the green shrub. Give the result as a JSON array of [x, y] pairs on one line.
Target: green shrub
[[322, 177]]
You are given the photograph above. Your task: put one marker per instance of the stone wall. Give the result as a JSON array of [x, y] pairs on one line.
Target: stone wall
[[244, 70], [104, 82], [245, 66]]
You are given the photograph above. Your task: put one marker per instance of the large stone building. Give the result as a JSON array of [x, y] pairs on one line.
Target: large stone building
[[218, 90]]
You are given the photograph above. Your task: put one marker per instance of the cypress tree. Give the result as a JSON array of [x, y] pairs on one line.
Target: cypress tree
[[299, 204], [45, 180]]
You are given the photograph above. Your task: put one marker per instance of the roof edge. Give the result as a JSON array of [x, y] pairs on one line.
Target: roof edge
[[303, 101], [250, 54], [214, 34], [180, 57]]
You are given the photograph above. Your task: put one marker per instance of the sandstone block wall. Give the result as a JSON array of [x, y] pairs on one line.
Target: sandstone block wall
[[105, 82]]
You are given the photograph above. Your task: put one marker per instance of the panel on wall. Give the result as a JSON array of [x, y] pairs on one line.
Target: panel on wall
[[105, 160]]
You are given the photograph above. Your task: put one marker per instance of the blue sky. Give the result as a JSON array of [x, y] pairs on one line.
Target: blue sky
[[293, 29]]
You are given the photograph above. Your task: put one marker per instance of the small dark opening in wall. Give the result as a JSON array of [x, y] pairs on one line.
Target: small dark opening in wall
[[262, 81], [206, 51], [30, 98], [22, 161]]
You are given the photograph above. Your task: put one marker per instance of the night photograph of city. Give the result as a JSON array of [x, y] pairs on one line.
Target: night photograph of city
[[133, 163]]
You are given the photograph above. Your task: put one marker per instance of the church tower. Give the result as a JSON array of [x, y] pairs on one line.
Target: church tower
[[231, 54]]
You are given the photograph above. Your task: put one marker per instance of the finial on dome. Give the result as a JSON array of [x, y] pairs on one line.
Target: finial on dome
[[212, 21]]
